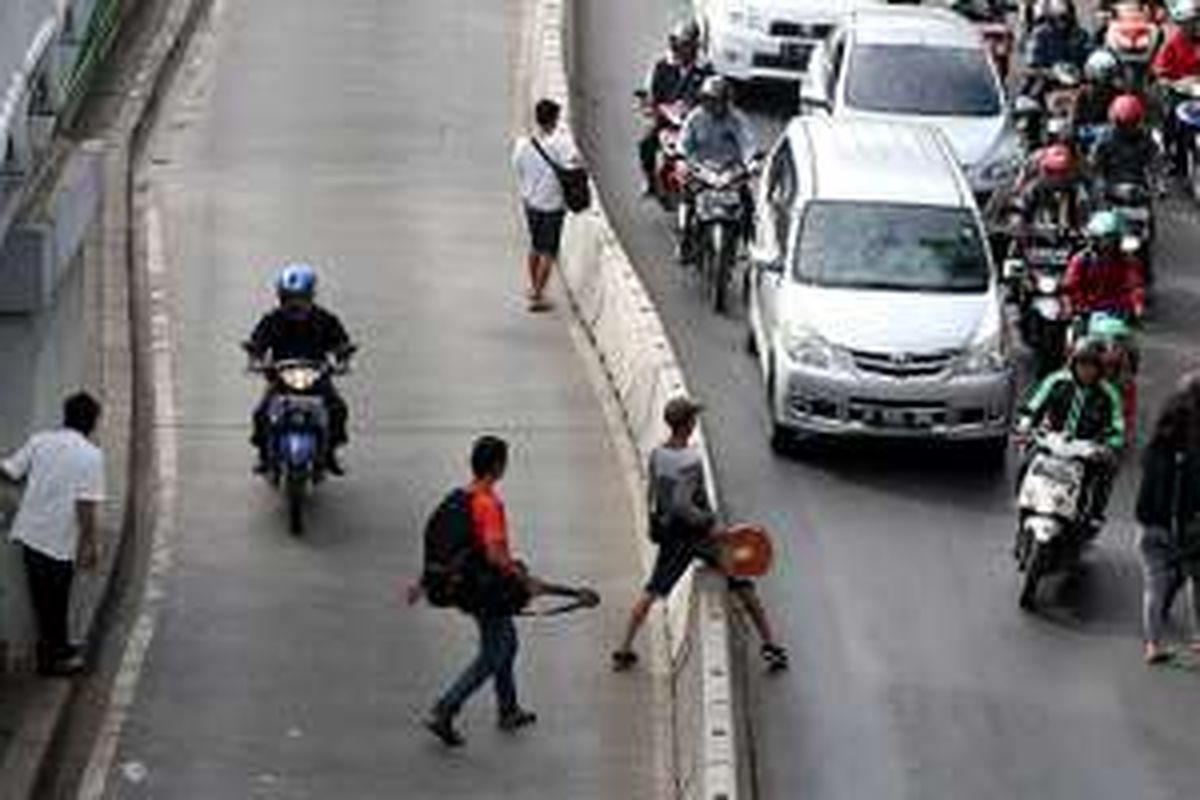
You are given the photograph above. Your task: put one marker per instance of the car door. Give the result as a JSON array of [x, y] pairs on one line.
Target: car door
[[768, 253]]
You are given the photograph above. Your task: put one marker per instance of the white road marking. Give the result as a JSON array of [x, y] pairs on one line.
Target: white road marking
[[124, 689]]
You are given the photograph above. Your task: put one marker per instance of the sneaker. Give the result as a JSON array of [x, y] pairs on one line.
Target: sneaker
[[516, 719], [775, 656], [442, 726], [624, 660], [334, 466]]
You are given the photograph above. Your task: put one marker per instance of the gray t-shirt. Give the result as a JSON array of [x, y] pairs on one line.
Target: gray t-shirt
[[678, 492]]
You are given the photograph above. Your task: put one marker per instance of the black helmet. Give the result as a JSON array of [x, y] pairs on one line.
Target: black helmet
[[685, 34]]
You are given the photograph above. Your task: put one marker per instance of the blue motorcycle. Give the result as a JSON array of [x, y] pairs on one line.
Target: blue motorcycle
[[298, 429]]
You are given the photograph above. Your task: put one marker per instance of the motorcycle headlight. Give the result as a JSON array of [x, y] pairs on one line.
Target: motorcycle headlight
[[298, 379], [987, 356], [808, 348]]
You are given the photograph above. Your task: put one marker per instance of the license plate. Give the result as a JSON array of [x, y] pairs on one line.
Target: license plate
[[1136, 214], [1048, 255], [795, 51]]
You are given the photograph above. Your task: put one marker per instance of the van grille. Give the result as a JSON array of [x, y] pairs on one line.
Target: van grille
[[904, 365]]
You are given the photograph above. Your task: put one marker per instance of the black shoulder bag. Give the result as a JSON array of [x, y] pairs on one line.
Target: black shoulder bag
[[577, 192]]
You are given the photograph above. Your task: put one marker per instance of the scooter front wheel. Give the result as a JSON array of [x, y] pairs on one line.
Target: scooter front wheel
[[1036, 565], [296, 490]]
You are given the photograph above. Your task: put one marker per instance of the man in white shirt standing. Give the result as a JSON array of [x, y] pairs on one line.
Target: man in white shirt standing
[[62, 472], [537, 160]]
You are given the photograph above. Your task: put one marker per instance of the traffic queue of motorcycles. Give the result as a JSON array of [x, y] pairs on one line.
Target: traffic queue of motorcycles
[[1105, 117]]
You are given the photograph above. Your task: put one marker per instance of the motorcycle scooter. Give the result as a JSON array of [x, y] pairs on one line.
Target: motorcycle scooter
[[1053, 526], [297, 429]]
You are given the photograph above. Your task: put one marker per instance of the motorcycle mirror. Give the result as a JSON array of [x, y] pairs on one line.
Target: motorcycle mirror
[[1012, 269]]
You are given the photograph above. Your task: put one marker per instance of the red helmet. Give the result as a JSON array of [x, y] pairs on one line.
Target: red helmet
[[1126, 111], [1056, 162]]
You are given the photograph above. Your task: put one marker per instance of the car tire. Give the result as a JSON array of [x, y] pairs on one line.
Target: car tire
[[750, 344], [992, 454]]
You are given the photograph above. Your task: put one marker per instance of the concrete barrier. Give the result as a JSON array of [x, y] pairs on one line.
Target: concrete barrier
[[614, 308]]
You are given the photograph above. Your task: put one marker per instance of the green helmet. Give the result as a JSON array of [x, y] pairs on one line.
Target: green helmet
[[1105, 225], [1101, 66], [1108, 327], [1182, 10]]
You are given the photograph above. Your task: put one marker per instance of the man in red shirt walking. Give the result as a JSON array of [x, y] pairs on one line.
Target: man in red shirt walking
[[497, 633]]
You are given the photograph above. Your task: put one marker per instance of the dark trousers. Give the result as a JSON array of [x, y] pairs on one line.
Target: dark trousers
[[497, 654], [50, 593]]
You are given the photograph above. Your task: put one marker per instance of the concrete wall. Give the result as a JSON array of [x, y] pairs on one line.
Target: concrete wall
[[41, 44]]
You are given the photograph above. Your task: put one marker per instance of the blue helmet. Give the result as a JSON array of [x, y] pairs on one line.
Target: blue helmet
[[296, 280]]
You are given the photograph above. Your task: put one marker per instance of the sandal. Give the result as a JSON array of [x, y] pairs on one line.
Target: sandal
[[624, 660], [1156, 654], [775, 656]]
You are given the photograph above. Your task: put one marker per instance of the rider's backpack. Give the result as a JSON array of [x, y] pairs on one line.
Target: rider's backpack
[[452, 561]]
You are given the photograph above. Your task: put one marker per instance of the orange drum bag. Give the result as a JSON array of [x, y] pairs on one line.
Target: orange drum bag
[[746, 550]]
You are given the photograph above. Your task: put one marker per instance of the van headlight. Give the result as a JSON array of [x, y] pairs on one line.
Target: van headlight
[[807, 348], [747, 15], [985, 357], [1004, 161]]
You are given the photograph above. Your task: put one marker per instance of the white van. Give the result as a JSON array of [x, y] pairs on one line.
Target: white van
[[875, 307], [767, 39]]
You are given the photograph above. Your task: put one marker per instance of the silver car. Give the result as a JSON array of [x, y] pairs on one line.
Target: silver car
[[919, 65], [874, 305]]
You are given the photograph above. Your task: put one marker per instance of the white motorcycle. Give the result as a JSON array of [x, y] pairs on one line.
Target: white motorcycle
[[1053, 524]]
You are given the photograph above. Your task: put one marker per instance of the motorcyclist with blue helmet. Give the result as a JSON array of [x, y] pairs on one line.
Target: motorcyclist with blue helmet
[[298, 328]]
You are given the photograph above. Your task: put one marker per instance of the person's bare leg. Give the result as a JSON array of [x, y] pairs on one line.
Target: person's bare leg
[[531, 263], [637, 618], [758, 614], [545, 265]]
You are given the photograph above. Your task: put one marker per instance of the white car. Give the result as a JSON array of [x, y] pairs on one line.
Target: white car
[[767, 39], [875, 308], [925, 65]]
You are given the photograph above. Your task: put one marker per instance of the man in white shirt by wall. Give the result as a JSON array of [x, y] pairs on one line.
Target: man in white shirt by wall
[[536, 160], [62, 472]]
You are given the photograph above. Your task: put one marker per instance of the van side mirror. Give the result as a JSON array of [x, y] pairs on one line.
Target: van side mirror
[[812, 100]]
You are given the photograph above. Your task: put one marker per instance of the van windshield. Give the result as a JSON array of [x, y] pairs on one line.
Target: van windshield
[[894, 247], [920, 79]]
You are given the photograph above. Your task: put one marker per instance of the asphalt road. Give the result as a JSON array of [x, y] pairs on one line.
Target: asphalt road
[[371, 138], [915, 675]]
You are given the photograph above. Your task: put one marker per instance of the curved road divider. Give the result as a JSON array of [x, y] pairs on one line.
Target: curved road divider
[[612, 305]]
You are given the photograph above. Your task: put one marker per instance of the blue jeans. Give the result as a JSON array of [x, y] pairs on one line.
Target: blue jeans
[[497, 653]]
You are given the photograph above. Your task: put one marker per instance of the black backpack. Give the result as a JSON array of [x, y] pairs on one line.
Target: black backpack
[[452, 561]]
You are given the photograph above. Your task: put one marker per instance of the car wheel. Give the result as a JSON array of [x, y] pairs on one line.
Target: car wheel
[[993, 453], [750, 344]]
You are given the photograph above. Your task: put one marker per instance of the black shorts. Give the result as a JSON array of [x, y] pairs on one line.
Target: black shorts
[[673, 559], [545, 231]]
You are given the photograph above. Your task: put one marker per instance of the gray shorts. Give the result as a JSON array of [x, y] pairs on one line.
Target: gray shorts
[[545, 231]]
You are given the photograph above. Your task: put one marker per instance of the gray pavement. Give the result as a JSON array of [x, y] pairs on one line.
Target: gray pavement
[[372, 139], [914, 674]]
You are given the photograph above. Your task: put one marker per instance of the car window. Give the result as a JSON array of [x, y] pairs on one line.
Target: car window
[[834, 73], [781, 190], [921, 79], [897, 247]]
